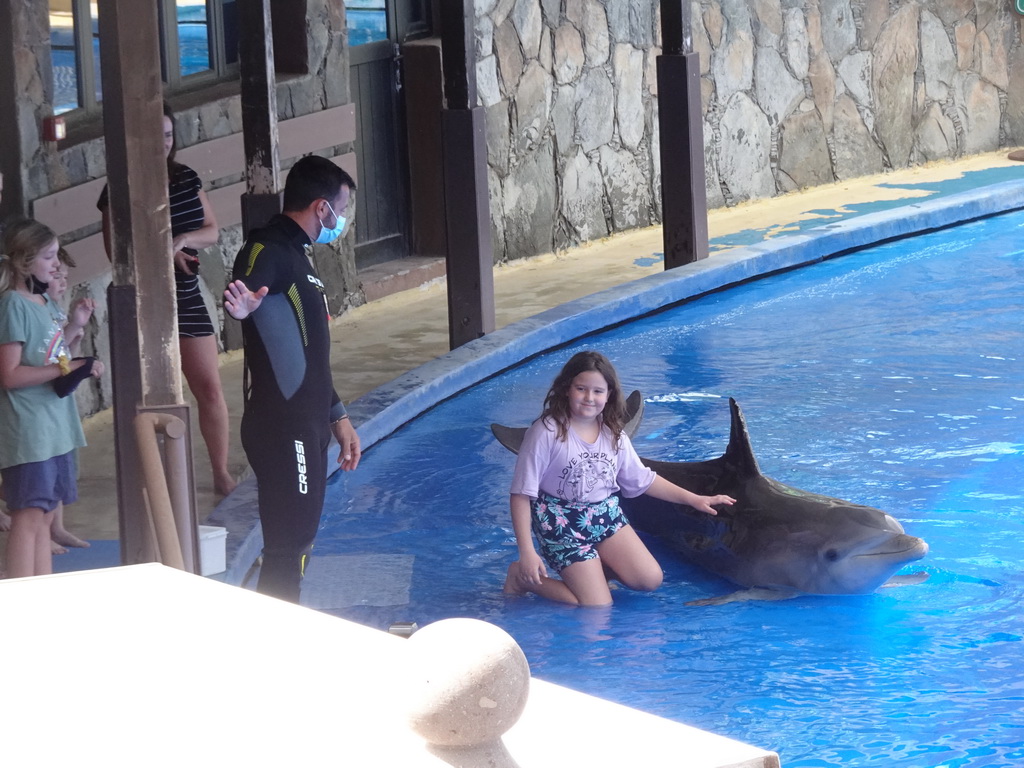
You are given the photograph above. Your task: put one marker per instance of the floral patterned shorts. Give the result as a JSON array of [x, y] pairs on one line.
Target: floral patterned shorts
[[569, 531]]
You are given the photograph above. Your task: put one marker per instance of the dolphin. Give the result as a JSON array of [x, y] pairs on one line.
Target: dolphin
[[777, 541]]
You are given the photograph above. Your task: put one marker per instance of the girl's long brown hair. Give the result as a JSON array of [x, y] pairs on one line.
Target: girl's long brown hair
[[556, 404]]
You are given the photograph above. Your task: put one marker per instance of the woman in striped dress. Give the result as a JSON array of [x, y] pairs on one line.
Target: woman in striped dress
[[193, 227]]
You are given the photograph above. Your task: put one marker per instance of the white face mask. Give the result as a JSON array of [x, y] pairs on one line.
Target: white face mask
[[330, 235]]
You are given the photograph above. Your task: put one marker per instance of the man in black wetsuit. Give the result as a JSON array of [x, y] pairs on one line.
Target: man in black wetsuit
[[291, 408]]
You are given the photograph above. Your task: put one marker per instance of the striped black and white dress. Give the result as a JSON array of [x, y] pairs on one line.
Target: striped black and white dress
[[186, 216]]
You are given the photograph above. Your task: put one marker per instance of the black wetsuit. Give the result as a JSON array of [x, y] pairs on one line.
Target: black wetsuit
[[290, 400]]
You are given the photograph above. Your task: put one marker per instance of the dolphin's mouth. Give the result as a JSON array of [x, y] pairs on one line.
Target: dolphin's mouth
[[912, 549]]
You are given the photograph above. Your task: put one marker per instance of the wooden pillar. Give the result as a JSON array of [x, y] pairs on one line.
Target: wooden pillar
[[684, 201], [470, 256], [145, 363], [262, 197], [12, 152]]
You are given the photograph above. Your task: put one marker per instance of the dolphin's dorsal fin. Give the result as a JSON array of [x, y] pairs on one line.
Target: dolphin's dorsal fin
[[512, 437], [634, 413], [739, 453]]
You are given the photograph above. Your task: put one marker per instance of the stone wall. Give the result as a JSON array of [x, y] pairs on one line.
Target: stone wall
[[795, 93]]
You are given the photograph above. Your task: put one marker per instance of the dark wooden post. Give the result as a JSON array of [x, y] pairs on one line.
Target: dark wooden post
[[12, 199], [145, 364], [470, 257], [262, 197], [684, 202]]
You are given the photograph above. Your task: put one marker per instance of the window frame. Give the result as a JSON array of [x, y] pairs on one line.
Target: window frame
[[170, 60]]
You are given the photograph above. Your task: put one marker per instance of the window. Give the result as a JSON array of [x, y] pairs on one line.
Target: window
[[198, 43], [366, 20]]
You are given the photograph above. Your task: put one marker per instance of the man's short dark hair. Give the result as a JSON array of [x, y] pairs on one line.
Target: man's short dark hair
[[312, 178]]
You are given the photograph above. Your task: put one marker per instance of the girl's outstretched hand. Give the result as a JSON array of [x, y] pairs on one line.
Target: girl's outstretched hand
[[708, 503]]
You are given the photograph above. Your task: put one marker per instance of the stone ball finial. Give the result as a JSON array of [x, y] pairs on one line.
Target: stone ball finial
[[468, 682]]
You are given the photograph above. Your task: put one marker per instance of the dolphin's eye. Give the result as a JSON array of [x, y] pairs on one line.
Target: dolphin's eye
[[832, 555]]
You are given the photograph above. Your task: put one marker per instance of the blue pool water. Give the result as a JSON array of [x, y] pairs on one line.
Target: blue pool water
[[893, 377]]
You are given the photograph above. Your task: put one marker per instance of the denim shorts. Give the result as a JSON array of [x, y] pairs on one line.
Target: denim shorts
[[569, 531], [41, 484]]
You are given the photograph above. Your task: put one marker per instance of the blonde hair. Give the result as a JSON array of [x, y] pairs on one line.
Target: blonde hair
[[23, 240]]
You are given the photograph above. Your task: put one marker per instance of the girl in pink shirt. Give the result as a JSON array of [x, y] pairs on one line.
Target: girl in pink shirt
[[573, 464]]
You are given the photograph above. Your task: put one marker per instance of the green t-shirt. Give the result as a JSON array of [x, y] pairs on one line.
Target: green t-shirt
[[35, 424]]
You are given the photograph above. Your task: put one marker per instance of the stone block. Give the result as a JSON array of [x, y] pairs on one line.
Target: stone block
[[627, 188], [732, 65], [510, 56], [978, 104], [797, 46], [838, 28], [628, 65], [937, 57], [935, 138], [768, 23], [595, 109], [896, 57], [582, 198], [532, 108], [569, 55], [855, 71], [777, 92], [595, 33], [803, 151], [856, 153], [744, 147], [1015, 98], [991, 57], [563, 119], [526, 16], [488, 90], [530, 203]]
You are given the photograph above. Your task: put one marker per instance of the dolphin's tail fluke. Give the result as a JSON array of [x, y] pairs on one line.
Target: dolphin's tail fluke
[[740, 454]]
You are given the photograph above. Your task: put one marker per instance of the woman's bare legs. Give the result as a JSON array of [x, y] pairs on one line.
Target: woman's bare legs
[[202, 372]]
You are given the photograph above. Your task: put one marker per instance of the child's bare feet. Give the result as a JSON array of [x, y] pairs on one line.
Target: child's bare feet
[[63, 538], [57, 549], [512, 580]]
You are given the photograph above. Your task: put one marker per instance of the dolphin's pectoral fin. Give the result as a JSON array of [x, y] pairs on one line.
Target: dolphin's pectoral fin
[[755, 593], [906, 579]]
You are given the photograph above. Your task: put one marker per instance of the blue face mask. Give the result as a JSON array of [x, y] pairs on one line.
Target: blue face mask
[[330, 235]]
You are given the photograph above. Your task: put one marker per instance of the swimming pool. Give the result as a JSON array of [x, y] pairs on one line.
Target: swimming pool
[[891, 377]]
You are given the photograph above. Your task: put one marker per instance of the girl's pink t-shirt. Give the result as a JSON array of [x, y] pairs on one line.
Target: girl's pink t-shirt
[[575, 470]]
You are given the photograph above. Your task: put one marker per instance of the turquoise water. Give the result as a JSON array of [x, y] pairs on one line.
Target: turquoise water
[[892, 377]]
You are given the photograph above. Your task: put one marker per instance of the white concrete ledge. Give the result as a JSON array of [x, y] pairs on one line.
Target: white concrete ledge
[[146, 665]]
